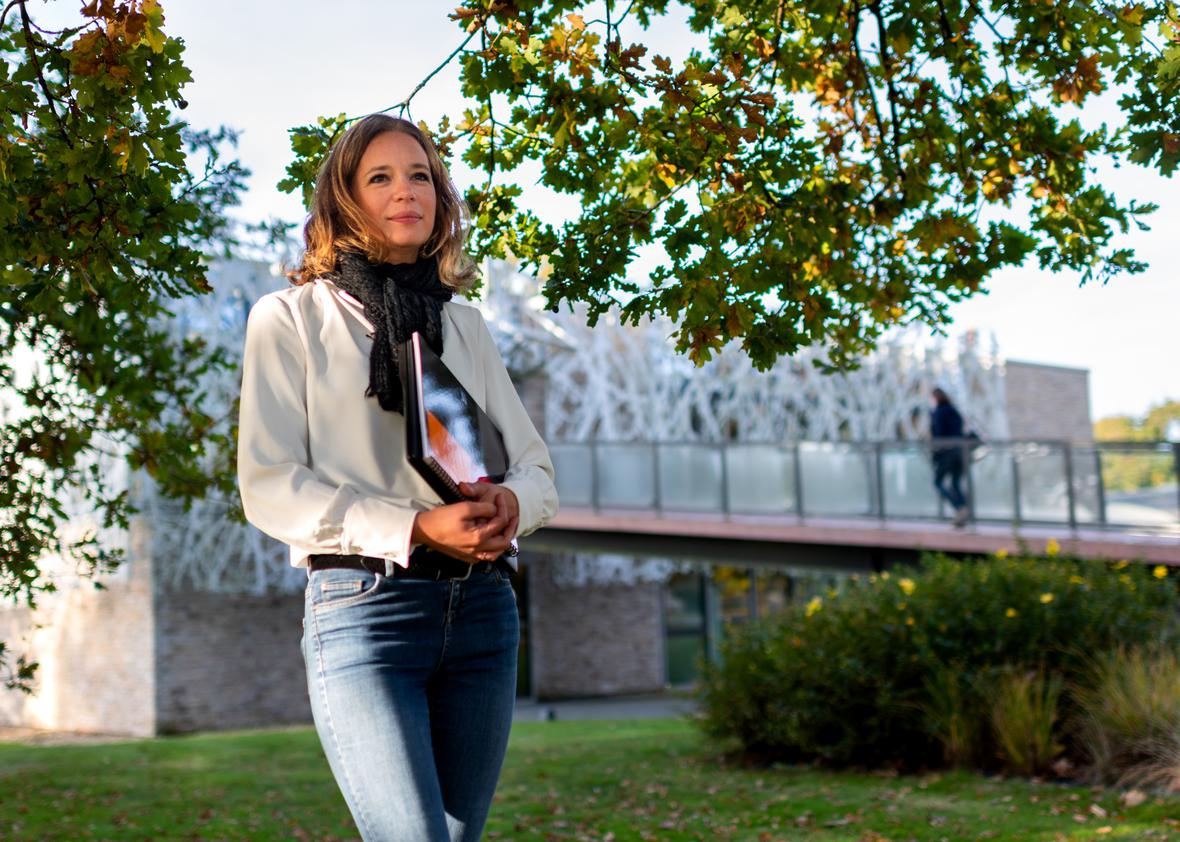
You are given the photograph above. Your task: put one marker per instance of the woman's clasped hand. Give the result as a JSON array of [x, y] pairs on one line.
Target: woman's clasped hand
[[480, 528]]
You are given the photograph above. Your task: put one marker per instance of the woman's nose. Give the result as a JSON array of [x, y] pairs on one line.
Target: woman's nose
[[402, 188]]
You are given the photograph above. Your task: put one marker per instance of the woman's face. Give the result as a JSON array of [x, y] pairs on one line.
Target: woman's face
[[394, 187]]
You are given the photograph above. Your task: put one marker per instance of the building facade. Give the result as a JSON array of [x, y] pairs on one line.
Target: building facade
[[200, 628]]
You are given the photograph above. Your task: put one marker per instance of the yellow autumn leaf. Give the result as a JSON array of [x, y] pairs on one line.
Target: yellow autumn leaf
[[666, 173], [122, 151], [153, 31]]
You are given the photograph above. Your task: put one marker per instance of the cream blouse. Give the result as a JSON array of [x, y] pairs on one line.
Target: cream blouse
[[323, 468]]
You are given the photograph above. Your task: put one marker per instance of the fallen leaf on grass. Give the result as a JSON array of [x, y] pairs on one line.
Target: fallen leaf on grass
[[1132, 798], [843, 821]]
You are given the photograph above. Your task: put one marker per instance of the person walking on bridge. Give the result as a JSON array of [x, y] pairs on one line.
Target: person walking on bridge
[[947, 423]]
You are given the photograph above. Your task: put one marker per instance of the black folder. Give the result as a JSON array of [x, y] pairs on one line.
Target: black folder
[[449, 438]]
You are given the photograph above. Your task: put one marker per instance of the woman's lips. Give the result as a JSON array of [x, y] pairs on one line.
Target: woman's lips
[[405, 217]]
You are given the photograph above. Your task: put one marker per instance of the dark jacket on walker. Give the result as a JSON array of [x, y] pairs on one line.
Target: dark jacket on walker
[[947, 423]]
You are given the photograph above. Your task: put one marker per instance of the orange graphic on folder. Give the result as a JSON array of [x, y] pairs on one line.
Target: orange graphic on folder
[[451, 453]]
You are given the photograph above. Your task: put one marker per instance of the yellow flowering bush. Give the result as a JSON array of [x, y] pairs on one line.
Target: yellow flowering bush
[[865, 678]]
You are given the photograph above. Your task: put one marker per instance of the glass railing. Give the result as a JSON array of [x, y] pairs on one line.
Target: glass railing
[[1116, 484]]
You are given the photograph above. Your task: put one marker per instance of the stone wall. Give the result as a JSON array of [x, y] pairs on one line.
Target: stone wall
[[96, 654], [132, 659], [595, 640], [1048, 402], [15, 628], [226, 661]]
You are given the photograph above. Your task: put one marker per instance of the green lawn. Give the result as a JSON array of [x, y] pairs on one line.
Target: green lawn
[[651, 780]]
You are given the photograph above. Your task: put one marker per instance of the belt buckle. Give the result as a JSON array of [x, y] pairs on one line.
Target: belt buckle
[[464, 578]]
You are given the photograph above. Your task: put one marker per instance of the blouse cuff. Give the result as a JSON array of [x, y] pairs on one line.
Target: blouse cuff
[[375, 528], [529, 502]]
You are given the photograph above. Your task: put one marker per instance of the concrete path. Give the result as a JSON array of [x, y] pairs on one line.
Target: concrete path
[[654, 706]]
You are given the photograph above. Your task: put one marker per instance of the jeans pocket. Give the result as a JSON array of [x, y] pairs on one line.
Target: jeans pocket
[[339, 587], [505, 581]]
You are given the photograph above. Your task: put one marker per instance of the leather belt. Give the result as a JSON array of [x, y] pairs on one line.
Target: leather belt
[[424, 564]]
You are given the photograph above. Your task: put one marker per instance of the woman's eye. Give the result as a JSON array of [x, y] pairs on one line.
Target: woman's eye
[[422, 177], [377, 178]]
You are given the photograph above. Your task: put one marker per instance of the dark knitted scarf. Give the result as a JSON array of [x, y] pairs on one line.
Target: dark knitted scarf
[[399, 298]]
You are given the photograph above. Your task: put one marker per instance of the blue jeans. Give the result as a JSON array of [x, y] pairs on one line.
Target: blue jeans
[[412, 686], [948, 465]]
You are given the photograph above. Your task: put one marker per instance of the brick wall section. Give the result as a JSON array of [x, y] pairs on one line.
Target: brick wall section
[[16, 630], [593, 641], [95, 649], [1048, 402], [228, 662]]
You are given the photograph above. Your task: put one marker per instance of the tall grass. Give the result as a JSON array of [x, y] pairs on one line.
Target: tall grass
[[1128, 718], [1024, 717], [953, 716]]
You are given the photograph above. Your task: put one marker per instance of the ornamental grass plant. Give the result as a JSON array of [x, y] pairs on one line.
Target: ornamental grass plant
[[1128, 717], [1024, 718], [903, 669]]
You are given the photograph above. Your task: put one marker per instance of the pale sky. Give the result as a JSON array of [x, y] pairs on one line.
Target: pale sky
[[264, 66]]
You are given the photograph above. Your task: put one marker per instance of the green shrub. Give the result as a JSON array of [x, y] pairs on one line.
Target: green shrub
[[1024, 719], [1128, 718], [853, 677]]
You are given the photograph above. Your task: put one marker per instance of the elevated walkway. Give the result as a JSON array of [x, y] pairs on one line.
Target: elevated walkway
[[864, 504]]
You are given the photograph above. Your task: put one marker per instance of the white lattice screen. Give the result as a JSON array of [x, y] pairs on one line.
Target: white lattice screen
[[616, 383]]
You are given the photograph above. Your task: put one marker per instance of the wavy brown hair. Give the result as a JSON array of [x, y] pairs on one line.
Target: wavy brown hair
[[337, 223]]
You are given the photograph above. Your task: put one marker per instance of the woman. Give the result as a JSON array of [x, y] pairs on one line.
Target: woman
[[410, 621]]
